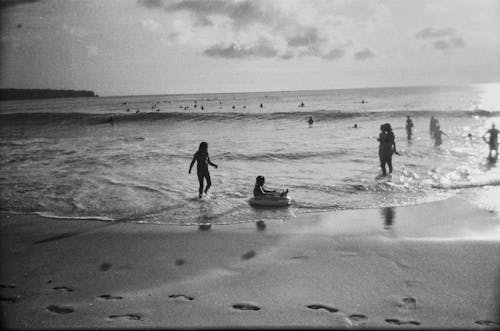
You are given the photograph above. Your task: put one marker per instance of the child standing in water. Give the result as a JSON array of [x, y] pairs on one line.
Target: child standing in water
[[202, 159], [259, 189]]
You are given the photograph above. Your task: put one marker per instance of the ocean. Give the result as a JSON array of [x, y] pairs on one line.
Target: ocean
[[90, 158]]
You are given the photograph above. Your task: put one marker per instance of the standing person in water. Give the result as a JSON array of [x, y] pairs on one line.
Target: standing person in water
[[437, 135], [409, 126], [310, 121], [202, 159], [432, 126], [386, 148], [493, 140]]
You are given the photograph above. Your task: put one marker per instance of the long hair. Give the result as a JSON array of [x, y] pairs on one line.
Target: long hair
[[203, 146]]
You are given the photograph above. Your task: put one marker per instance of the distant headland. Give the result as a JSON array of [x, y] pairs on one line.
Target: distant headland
[[20, 94]]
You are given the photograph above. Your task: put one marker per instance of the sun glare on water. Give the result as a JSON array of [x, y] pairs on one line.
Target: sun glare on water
[[489, 96]]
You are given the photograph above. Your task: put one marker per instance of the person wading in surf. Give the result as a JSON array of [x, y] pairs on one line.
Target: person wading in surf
[[202, 159], [386, 148]]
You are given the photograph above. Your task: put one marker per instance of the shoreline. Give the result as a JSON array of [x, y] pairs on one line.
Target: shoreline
[[429, 265]]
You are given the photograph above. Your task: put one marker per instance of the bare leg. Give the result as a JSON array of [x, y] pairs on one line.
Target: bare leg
[[209, 182], [200, 180]]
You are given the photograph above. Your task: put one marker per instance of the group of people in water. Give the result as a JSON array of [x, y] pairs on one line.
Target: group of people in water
[[387, 147]]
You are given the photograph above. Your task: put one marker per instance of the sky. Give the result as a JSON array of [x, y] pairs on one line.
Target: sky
[[137, 47]]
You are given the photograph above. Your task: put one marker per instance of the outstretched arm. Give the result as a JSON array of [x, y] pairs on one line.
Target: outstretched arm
[[212, 164], [192, 163]]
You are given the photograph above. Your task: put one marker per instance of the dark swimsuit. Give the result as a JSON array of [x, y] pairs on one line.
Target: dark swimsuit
[[202, 168]]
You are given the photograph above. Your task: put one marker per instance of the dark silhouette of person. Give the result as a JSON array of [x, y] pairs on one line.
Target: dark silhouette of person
[[387, 147], [432, 126], [203, 160], [355, 126], [438, 140], [409, 126], [128, 109], [493, 140], [202, 108], [261, 106], [310, 121], [259, 190], [301, 104]]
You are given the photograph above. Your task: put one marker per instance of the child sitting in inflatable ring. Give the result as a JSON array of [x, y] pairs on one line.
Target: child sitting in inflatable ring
[[260, 191]]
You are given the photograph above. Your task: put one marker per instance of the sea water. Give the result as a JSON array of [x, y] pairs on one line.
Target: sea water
[[91, 158]]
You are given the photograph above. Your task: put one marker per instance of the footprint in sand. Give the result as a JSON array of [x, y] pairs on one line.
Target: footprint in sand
[[7, 286], [8, 299], [357, 317], [60, 309], [63, 288], [245, 306], [319, 306], [399, 322], [181, 297], [248, 255], [130, 317], [105, 266], [487, 323], [409, 303], [109, 297]]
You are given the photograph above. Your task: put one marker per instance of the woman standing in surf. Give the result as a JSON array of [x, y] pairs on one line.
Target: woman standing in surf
[[386, 148], [202, 159]]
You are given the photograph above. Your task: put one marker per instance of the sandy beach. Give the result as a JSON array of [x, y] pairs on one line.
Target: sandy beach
[[430, 265]]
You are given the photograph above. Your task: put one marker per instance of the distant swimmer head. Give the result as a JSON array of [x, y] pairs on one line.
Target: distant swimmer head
[[355, 126], [260, 180], [203, 146]]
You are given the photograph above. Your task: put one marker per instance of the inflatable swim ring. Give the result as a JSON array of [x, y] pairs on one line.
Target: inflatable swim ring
[[270, 201]]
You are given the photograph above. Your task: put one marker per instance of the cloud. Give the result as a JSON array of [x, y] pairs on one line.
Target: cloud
[[306, 37], [12, 3], [239, 12], [262, 49], [430, 32], [444, 39], [364, 54], [334, 54], [261, 28], [453, 43]]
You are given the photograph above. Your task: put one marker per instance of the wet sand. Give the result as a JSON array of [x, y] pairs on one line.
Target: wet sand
[[424, 266]]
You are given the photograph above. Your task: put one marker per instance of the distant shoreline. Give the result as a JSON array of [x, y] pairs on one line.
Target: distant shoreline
[[22, 94]]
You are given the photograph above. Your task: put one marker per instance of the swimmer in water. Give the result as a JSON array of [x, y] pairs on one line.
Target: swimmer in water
[[310, 121], [259, 190], [203, 160]]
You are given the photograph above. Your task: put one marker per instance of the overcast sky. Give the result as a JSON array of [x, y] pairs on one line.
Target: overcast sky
[[125, 47]]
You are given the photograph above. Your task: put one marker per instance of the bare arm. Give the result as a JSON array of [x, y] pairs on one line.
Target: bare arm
[[192, 163], [212, 164]]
